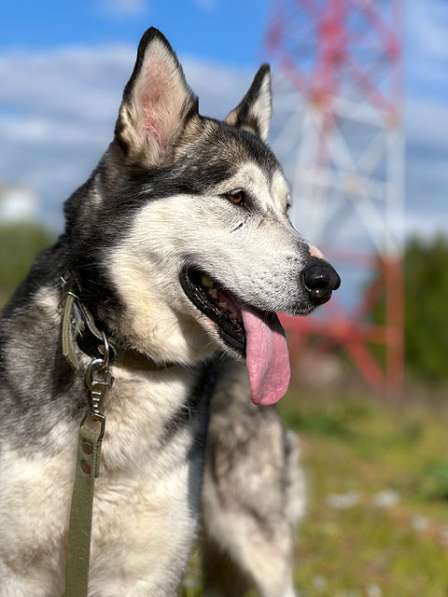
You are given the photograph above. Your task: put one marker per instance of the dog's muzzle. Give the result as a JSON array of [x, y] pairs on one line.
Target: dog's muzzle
[[319, 280]]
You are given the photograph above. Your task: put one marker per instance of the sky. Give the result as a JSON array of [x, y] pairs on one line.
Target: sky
[[63, 66]]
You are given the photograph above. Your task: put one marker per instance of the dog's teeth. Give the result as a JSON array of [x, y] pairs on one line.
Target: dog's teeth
[[206, 281]]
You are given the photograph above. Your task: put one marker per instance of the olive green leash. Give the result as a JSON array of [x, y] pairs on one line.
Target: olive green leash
[[98, 381], [80, 528]]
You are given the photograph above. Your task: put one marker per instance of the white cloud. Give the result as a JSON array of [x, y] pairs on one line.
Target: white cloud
[[420, 114], [17, 203], [424, 226], [429, 22], [124, 7], [426, 49], [40, 130], [58, 109], [206, 5]]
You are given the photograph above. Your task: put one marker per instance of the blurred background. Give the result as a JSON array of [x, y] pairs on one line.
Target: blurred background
[[361, 127]]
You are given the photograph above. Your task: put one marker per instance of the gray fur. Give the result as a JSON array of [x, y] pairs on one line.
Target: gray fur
[[253, 496]]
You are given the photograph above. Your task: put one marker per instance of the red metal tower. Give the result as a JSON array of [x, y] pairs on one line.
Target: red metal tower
[[339, 132]]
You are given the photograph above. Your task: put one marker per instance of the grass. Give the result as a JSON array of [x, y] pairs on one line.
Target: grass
[[377, 522], [370, 449]]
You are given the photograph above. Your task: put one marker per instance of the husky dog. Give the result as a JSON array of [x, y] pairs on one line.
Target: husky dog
[[181, 249]]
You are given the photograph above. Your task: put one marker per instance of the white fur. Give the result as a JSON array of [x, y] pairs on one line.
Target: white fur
[[261, 109], [144, 285], [33, 514], [143, 520], [280, 191], [47, 299], [265, 560], [143, 504], [253, 495]]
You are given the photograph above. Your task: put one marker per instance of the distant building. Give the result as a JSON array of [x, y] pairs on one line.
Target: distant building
[[17, 203]]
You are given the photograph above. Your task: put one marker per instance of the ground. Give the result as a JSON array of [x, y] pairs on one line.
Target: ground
[[377, 523]]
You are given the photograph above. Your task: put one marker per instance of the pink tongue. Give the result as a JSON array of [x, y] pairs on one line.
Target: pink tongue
[[267, 359]]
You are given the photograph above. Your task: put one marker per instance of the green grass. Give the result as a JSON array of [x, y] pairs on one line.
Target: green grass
[[361, 446], [364, 446]]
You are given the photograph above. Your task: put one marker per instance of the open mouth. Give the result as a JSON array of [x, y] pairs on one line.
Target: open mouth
[[256, 335], [218, 304], [252, 333]]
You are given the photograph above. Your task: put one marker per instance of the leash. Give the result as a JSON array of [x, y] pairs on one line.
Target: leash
[[98, 380]]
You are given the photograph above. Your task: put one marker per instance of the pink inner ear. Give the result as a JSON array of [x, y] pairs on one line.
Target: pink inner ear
[[161, 97], [151, 124]]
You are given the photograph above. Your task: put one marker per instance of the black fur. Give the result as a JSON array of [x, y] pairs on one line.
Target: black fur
[[243, 115]]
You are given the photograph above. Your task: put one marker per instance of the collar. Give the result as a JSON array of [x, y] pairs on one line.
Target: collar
[[81, 334]]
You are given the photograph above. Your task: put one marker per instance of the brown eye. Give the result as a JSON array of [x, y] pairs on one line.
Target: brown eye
[[237, 197]]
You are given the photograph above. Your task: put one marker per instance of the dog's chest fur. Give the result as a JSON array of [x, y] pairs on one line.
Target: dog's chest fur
[[148, 495], [146, 499]]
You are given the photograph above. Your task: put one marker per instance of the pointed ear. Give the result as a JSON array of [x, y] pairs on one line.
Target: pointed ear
[[157, 103], [255, 110]]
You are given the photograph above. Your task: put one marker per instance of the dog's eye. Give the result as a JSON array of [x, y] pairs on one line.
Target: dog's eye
[[237, 197]]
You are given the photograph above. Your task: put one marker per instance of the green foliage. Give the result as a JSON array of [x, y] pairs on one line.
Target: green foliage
[[398, 548], [433, 481], [19, 244], [426, 316], [426, 278], [339, 420]]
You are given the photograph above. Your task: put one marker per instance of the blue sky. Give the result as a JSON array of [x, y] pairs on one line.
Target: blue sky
[[63, 66], [228, 31]]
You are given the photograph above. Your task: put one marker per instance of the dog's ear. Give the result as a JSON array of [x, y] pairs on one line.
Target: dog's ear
[[157, 103], [255, 110]]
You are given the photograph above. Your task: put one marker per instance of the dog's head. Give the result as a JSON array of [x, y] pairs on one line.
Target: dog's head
[[189, 218]]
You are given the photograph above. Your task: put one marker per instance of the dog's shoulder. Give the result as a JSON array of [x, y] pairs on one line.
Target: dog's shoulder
[[36, 384]]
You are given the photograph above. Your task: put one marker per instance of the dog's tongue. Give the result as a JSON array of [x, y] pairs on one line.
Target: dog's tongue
[[267, 358]]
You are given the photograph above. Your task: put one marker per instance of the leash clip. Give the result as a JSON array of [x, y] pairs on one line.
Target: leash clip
[[99, 380]]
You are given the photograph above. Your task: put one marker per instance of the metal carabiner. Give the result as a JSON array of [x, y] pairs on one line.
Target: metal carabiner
[[98, 380]]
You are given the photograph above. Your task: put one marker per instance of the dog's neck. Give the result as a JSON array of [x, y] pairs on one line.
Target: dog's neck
[[82, 335], [147, 407]]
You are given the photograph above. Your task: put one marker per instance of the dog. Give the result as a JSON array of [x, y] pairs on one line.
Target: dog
[[180, 247]]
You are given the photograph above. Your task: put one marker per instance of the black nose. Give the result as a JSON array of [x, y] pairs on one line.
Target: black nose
[[320, 279]]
